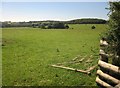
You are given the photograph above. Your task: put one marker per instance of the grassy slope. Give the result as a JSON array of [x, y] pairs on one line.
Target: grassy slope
[[28, 53]]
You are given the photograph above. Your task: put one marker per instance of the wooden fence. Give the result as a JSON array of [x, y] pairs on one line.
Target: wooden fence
[[105, 76]]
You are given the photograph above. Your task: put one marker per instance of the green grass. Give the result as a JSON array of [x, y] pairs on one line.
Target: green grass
[[27, 54]]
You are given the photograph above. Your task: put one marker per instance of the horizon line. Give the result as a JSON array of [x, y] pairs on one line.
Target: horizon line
[[58, 20]]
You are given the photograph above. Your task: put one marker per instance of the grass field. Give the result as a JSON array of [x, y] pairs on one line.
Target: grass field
[[27, 54]]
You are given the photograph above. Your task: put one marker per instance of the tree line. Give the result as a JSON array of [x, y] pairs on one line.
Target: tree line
[[87, 21], [52, 24]]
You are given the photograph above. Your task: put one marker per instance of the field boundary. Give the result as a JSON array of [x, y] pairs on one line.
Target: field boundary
[[104, 74]]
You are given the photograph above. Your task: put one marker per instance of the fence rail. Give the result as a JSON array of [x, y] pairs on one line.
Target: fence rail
[[104, 78]]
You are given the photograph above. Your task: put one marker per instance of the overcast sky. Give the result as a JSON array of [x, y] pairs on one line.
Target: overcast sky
[[36, 11]]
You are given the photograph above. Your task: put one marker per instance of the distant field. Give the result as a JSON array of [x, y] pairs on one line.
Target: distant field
[[27, 54]]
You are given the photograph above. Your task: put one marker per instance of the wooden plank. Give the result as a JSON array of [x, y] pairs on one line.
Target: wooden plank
[[108, 66], [103, 43], [102, 51], [117, 86], [99, 81], [108, 77], [91, 68], [68, 68]]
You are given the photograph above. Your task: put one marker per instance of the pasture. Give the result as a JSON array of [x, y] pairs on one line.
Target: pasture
[[28, 53]]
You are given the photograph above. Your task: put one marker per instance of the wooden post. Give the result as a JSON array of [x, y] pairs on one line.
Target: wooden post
[[99, 81], [109, 66], [103, 56], [108, 77]]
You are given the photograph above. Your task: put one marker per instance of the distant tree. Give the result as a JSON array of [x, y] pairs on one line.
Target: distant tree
[[49, 26], [93, 27], [39, 25], [35, 25], [66, 26], [42, 26], [58, 25]]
